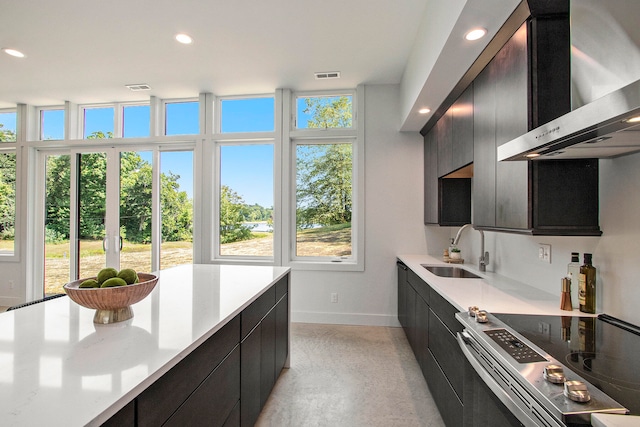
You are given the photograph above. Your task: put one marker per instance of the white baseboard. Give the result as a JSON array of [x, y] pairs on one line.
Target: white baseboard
[[345, 318]]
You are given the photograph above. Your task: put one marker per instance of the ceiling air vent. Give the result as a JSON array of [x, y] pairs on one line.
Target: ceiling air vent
[[138, 87], [328, 75]]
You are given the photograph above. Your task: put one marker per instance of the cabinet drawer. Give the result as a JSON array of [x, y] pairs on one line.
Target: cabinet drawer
[[445, 311], [213, 401], [419, 285], [253, 314], [163, 397], [450, 407], [444, 347]]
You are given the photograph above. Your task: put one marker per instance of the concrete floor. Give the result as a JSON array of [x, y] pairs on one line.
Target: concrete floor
[[350, 376]]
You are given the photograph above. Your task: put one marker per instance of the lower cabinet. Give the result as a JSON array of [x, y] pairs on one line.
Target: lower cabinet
[[263, 353], [431, 328], [226, 380]]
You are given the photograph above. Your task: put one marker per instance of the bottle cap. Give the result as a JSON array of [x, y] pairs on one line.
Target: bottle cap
[[587, 258], [575, 257]]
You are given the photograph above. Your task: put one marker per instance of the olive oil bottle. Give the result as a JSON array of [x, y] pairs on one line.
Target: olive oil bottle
[[587, 286]]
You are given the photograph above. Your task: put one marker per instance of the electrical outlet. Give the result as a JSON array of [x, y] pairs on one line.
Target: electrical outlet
[[334, 297], [544, 253]]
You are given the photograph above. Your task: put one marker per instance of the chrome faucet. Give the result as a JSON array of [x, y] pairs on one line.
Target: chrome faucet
[[483, 261]]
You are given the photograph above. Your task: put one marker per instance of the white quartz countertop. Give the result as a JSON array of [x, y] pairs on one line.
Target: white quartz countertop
[[57, 368], [492, 292]]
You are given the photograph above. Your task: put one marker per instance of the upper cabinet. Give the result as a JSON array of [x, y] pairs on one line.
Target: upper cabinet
[[513, 94], [527, 83], [448, 148]]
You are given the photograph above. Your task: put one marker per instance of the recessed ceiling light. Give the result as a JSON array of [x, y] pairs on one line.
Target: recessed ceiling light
[[424, 110], [532, 155], [13, 52], [184, 38], [475, 34], [635, 119]]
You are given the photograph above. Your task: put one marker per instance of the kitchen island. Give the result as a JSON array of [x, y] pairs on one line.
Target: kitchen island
[[59, 368]]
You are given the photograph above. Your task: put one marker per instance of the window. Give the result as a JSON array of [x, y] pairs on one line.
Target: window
[[324, 199], [247, 115], [176, 208], [7, 126], [7, 202], [182, 118], [246, 200], [52, 124], [7, 184], [136, 121], [324, 112], [98, 122]]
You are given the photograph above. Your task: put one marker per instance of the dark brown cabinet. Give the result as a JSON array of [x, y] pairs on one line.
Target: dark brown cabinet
[[429, 323], [512, 96], [186, 383], [462, 130], [228, 378], [448, 147], [263, 349]]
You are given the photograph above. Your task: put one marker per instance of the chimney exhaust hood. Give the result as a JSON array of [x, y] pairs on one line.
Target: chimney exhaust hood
[[605, 89], [605, 128]]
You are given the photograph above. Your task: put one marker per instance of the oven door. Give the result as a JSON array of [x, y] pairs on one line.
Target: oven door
[[491, 403]]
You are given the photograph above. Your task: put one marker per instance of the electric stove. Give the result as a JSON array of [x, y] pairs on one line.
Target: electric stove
[[603, 350]]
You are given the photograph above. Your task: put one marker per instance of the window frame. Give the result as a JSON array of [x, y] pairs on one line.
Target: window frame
[[328, 135], [40, 111], [215, 206], [218, 114], [163, 116]]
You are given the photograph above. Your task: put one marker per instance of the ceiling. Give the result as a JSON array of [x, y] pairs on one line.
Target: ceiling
[[87, 51]]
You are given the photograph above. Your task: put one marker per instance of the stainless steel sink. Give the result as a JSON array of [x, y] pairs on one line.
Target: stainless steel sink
[[451, 271]]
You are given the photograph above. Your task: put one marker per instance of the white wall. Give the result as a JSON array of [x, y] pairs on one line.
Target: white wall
[[616, 253], [393, 225]]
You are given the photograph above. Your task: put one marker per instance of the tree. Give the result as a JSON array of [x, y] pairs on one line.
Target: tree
[[328, 112], [135, 199], [7, 135], [324, 171], [324, 187], [233, 212], [57, 198], [7, 195]]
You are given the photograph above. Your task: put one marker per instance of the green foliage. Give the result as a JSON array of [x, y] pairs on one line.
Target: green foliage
[[233, 212], [329, 112], [58, 179], [135, 199], [7, 195], [7, 135], [324, 187]]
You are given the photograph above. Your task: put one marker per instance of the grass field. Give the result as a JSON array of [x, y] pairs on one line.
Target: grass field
[[327, 241]]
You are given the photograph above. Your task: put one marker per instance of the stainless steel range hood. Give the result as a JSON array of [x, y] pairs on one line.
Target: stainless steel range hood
[[604, 128], [605, 88]]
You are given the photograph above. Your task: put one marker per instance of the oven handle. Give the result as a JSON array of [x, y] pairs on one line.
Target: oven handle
[[463, 339]]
